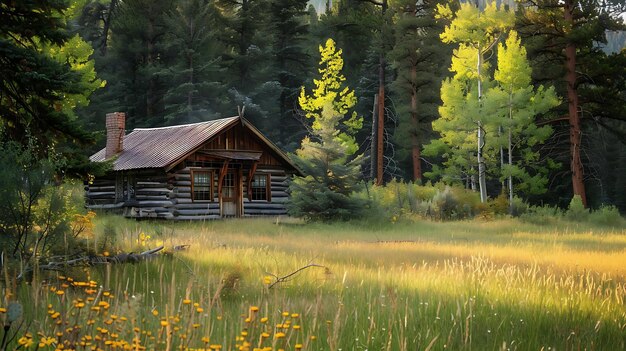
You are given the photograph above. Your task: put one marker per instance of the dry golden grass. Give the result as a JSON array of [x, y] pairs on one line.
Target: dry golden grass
[[403, 286]]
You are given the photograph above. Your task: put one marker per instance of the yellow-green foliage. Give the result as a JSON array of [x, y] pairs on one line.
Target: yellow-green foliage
[[330, 101], [411, 285], [440, 202]]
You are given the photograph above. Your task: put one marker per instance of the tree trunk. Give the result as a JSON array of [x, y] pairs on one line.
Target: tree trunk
[[415, 147], [381, 105], [106, 27], [380, 126], [373, 149], [482, 182], [575, 133], [510, 154]]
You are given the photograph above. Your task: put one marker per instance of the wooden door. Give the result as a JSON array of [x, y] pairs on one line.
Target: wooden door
[[230, 195]]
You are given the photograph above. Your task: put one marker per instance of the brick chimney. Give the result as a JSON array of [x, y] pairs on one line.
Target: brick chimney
[[116, 124]]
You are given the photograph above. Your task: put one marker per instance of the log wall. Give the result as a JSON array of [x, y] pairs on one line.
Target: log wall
[[183, 205], [278, 196], [169, 196]]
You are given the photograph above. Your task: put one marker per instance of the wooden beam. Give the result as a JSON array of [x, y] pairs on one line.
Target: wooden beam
[[220, 179], [250, 176]]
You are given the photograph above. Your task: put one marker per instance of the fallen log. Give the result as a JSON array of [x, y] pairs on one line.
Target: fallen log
[[131, 257], [94, 260]]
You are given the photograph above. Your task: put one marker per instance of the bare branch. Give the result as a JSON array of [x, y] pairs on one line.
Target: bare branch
[[286, 277]]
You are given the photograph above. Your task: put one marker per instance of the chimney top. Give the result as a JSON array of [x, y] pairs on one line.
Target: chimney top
[[115, 126]]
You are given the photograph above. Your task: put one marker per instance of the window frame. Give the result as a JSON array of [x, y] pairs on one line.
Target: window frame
[[210, 185], [268, 187]]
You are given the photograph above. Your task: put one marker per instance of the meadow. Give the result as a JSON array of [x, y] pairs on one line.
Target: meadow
[[271, 284]]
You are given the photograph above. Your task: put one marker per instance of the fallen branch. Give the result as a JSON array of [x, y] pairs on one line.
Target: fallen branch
[[93, 260], [132, 257], [285, 278]]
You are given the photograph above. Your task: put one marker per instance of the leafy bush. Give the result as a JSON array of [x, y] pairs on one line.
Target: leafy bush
[[542, 214], [38, 218], [576, 210], [607, 216], [440, 202], [445, 205]]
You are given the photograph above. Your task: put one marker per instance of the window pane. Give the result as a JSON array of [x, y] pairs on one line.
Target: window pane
[[259, 187], [202, 185]]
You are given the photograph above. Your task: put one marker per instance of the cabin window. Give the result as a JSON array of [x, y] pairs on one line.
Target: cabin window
[[261, 187], [201, 185]]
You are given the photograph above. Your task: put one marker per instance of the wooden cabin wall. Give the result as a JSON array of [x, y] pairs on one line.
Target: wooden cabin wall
[[183, 207], [153, 198], [238, 138], [168, 196], [100, 194], [278, 196], [150, 195]]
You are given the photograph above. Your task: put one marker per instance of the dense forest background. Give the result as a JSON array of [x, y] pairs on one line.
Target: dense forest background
[[166, 62]]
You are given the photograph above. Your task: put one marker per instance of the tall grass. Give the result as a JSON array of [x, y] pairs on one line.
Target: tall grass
[[405, 286]]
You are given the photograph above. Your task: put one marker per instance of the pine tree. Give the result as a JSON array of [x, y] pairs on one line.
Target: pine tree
[[137, 58], [328, 158], [44, 74], [287, 29], [418, 60], [194, 91], [562, 38]]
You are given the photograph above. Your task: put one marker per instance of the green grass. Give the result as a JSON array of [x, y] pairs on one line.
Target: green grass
[[467, 285]]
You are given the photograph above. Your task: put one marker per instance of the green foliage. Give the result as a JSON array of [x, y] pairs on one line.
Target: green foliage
[[326, 192], [515, 104], [464, 122], [576, 211], [194, 91], [37, 218], [545, 214], [607, 216], [44, 74], [418, 58], [330, 102], [332, 172], [397, 200]]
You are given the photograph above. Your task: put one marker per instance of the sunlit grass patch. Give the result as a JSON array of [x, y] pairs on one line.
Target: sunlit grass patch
[[460, 286]]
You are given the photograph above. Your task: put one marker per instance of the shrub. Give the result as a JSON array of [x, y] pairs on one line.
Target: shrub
[[38, 218], [445, 205], [576, 210], [607, 216], [542, 214]]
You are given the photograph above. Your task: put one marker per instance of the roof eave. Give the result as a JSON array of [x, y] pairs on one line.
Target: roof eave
[[272, 146]]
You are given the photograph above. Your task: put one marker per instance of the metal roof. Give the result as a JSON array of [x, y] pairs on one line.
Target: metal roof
[[160, 147]]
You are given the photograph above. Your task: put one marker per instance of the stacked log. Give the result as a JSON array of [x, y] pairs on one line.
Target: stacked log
[[276, 205], [183, 206]]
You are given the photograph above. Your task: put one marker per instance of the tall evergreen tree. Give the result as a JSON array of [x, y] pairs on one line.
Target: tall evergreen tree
[[39, 71], [418, 59], [138, 57], [288, 29], [194, 91], [562, 38], [332, 171]]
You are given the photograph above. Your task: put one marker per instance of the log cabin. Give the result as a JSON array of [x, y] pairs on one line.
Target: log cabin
[[207, 170]]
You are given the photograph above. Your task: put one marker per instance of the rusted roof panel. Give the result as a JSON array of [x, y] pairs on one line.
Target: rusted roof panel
[[160, 147]]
